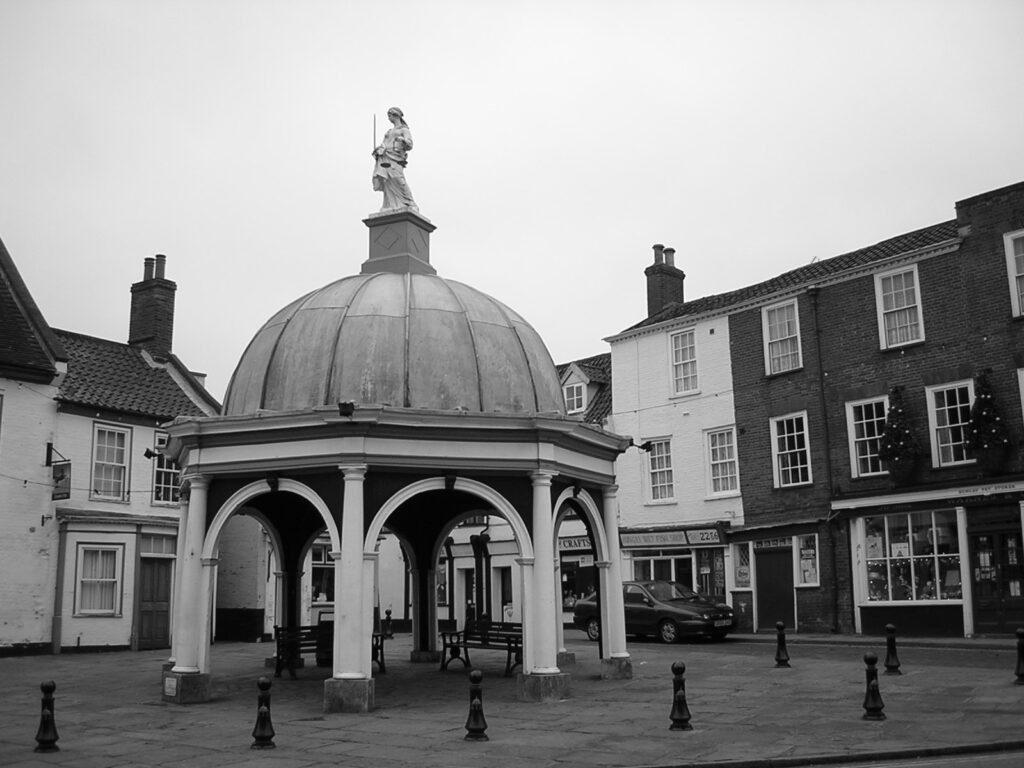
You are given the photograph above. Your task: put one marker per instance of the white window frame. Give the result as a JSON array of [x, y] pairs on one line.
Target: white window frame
[[1015, 275], [117, 579], [660, 463], [582, 389], [882, 312], [684, 362], [94, 491], [766, 332], [854, 441], [933, 422], [713, 461], [777, 469], [798, 561], [164, 470], [1020, 386]]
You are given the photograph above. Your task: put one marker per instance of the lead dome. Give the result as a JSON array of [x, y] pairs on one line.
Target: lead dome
[[400, 339]]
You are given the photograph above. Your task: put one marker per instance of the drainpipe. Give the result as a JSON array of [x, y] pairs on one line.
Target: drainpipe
[[812, 292], [57, 627]]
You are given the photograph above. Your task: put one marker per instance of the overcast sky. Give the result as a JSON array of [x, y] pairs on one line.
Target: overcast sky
[[555, 142]]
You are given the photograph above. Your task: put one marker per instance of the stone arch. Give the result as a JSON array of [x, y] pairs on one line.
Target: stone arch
[[473, 487], [243, 495], [585, 505]]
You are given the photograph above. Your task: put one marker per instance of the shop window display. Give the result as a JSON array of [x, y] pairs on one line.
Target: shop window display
[[913, 556]]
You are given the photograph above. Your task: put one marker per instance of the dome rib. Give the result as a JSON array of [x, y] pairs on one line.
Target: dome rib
[[329, 383], [277, 342], [472, 338], [522, 350]]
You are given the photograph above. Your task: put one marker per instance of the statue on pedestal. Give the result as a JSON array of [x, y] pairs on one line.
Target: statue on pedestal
[[389, 169]]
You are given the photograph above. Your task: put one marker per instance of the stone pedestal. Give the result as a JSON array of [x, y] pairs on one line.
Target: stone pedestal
[[186, 687], [617, 669], [565, 659], [425, 657], [543, 687], [348, 695], [399, 242]]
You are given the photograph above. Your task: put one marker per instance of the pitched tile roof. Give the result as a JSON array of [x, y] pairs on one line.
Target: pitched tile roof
[[28, 348], [599, 370], [115, 376], [809, 274]]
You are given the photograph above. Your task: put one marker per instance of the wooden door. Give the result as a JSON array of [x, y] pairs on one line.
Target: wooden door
[[774, 572], [155, 603], [997, 576]]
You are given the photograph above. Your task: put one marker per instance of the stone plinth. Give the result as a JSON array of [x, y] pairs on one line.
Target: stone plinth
[[186, 687], [617, 668], [543, 687], [565, 659], [399, 242], [348, 695]]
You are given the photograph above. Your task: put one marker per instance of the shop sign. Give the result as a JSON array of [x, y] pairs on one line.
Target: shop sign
[[704, 536], [586, 560], [780, 543], [61, 480], [655, 539], [568, 543]]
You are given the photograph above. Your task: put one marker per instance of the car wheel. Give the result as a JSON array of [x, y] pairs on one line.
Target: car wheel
[[667, 631], [594, 629]]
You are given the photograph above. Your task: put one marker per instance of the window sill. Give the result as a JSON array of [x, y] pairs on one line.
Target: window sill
[[684, 395], [725, 495], [808, 586], [809, 484], [954, 465], [906, 603], [798, 369], [901, 347], [659, 503], [109, 500], [97, 616]]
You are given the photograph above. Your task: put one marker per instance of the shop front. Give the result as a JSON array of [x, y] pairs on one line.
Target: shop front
[[945, 563], [695, 557]]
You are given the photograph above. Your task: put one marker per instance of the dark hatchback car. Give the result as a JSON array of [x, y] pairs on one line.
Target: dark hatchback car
[[662, 608]]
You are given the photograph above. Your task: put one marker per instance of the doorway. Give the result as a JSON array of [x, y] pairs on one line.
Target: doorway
[[155, 603], [773, 569], [997, 574]]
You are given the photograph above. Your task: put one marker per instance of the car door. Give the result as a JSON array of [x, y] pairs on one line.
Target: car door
[[639, 611]]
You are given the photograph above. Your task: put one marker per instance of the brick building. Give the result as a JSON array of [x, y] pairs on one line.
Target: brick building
[[817, 374]]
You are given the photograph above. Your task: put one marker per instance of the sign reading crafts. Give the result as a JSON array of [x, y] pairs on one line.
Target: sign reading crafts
[[677, 538]]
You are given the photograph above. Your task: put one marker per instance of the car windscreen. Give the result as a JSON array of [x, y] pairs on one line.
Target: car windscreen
[[667, 591]]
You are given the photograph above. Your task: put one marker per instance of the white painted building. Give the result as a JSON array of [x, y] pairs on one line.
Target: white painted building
[[679, 489]]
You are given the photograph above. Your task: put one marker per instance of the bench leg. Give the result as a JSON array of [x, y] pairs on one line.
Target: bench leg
[[454, 652]]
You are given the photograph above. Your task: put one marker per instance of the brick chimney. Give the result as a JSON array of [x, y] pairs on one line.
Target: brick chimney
[[152, 320], [664, 280]]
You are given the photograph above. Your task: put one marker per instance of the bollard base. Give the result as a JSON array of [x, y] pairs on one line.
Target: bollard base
[[186, 687], [425, 657], [348, 695], [565, 659], [543, 688], [617, 668]]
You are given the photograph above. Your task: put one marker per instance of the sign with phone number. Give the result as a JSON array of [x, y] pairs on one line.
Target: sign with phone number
[[695, 537]]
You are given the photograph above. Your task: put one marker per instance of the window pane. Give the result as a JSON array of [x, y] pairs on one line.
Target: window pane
[[792, 458], [660, 457], [952, 414], [783, 341], [724, 475], [900, 310], [902, 561], [684, 362], [868, 423]]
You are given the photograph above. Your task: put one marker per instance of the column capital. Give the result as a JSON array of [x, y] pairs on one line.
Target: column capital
[[209, 562], [610, 491], [197, 482], [542, 477], [335, 555], [353, 471]]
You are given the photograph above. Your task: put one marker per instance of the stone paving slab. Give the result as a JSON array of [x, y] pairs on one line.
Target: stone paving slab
[[745, 711]]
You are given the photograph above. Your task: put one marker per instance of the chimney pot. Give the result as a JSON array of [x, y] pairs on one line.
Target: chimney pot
[[160, 263], [147, 269], [658, 249], [670, 256]]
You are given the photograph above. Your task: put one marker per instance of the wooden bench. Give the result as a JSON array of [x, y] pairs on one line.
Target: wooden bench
[[317, 639], [484, 634]]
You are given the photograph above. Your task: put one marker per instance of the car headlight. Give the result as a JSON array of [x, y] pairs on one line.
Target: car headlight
[[705, 616]]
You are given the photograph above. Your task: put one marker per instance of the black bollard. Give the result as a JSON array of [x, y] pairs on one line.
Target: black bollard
[[263, 733], [46, 736], [781, 654], [1020, 657], [873, 705], [475, 723], [388, 634], [680, 714], [892, 661]]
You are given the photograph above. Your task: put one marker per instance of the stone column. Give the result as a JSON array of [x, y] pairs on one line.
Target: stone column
[[179, 561], [350, 689], [617, 663], [184, 683], [207, 592], [543, 680]]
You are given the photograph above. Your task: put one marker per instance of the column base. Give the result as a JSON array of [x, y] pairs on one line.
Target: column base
[[186, 687], [565, 659], [428, 657], [620, 668], [348, 695], [542, 688]]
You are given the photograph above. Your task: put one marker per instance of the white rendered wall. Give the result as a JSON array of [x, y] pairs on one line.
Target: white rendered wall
[[645, 408]]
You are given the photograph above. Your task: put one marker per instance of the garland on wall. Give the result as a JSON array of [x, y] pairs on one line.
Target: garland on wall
[[988, 435], [898, 447]]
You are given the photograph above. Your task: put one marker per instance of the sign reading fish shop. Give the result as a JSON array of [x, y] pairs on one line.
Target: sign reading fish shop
[[688, 538]]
